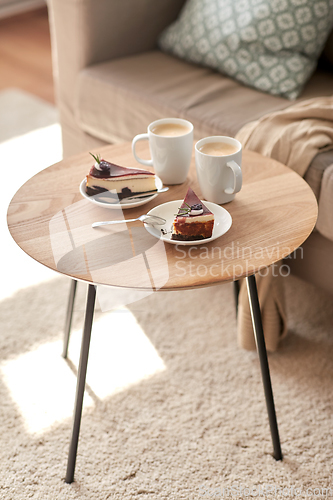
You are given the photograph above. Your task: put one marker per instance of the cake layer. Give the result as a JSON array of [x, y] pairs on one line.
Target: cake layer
[[195, 218], [192, 232], [139, 183], [120, 188]]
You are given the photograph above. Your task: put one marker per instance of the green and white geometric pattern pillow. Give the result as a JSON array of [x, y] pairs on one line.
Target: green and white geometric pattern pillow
[[272, 45]]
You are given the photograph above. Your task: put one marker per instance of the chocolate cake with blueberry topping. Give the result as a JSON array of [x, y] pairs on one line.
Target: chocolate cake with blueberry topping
[[194, 221], [118, 182]]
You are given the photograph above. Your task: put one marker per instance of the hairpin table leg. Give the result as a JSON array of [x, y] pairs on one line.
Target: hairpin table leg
[[81, 381], [261, 347], [69, 317]]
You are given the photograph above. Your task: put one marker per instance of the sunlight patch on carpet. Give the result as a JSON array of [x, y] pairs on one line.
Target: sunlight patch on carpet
[[120, 354], [42, 384], [30, 140]]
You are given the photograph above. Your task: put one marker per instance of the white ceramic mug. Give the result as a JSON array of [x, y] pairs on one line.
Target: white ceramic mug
[[219, 174], [170, 154]]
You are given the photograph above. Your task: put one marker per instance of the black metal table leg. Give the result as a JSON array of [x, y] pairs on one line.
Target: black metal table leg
[[261, 347], [236, 294], [81, 381], [69, 317]]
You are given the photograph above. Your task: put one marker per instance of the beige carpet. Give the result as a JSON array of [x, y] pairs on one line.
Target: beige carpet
[[173, 408]]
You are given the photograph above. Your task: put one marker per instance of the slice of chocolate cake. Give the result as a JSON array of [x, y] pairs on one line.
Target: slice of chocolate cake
[[193, 221], [118, 182]]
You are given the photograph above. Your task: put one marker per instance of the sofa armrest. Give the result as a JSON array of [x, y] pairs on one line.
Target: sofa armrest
[[85, 32]]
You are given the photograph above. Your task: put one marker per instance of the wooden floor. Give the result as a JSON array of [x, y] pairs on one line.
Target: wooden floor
[[25, 54]]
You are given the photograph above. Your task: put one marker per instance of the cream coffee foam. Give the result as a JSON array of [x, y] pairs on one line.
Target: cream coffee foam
[[170, 129], [218, 149]]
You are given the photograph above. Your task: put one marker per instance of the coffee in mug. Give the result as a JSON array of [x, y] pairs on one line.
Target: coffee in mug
[[170, 129], [218, 148], [170, 144], [218, 161]]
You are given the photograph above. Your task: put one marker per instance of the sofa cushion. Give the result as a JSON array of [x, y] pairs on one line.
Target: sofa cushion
[[314, 174], [272, 46], [325, 209], [314, 262], [118, 99]]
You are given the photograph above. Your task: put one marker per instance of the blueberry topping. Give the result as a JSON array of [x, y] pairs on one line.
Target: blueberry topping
[[197, 206], [101, 169], [104, 166]]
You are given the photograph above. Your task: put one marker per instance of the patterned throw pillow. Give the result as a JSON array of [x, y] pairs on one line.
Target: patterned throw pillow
[[272, 45]]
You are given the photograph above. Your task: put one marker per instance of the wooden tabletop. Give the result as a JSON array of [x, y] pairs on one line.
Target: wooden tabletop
[[49, 219]]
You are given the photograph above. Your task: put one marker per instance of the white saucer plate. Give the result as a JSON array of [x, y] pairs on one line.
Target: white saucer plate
[[120, 205], [222, 222]]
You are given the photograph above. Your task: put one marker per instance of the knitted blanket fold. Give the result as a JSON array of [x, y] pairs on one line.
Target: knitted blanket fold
[[292, 136]]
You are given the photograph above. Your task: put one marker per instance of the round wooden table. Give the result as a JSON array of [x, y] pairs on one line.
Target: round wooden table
[[272, 215]]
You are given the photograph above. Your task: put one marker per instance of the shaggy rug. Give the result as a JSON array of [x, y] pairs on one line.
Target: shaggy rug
[[173, 408]]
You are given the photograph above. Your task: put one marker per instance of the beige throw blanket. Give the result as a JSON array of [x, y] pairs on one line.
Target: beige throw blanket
[[293, 136]]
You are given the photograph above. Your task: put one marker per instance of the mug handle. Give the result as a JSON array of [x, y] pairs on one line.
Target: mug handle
[[238, 178], [137, 138]]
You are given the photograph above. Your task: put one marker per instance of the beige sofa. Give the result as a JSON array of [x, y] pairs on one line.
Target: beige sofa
[[112, 81]]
